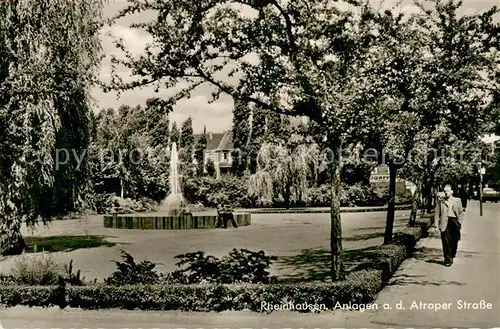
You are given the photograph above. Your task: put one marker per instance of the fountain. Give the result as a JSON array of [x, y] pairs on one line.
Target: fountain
[[175, 200], [170, 215]]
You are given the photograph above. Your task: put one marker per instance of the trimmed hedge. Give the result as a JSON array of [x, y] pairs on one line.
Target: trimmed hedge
[[360, 287]]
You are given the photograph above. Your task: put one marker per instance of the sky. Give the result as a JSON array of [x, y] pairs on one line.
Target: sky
[[217, 117]]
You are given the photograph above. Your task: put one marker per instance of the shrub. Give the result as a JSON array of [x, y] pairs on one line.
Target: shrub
[[244, 265], [389, 257], [360, 287], [361, 195], [239, 266], [319, 196], [129, 206], [101, 203], [36, 269], [39, 296], [403, 199], [6, 279], [199, 267], [211, 191], [130, 272], [70, 277], [109, 203]]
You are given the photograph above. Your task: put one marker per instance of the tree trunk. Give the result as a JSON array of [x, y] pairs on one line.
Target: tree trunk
[[391, 207], [337, 254], [287, 195], [121, 188], [426, 192], [430, 199], [415, 205]]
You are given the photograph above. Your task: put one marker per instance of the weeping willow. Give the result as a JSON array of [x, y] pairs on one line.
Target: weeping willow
[[49, 54], [282, 170]]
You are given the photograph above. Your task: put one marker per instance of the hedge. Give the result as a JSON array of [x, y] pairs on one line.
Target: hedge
[[360, 287], [324, 210]]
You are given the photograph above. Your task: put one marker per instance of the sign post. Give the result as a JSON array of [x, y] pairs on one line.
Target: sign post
[[482, 171]]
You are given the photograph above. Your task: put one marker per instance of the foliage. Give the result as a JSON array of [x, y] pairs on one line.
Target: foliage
[[240, 266], [362, 195], [36, 269], [130, 272], [210, 168], [241, 137], [389, 257], [41, 269], [495, 169], [110, 203], [175, 134], [257, 136], [232, 190], [211, 192], [129, 206], [72, 278], [360, 288], [129, 154], [45, 77], [310, 66], [65, 243], [283, 169], [186, 144], [199, 153], [157, 122]]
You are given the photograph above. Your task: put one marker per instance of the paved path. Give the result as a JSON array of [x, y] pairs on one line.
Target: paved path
[[474, 277]]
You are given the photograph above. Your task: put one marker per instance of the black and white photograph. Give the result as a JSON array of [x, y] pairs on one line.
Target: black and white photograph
[[257, 164]]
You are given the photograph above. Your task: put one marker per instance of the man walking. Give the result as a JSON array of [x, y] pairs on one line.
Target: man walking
[[448, 218]]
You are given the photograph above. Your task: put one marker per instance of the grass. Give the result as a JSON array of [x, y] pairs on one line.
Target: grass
[[314, 264], [65, 243], [364, 237]]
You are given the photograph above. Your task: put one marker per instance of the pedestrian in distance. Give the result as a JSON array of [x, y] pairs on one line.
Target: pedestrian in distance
[[228, 216], [225, 214], [218, 221], [448, 220], [463, 196]]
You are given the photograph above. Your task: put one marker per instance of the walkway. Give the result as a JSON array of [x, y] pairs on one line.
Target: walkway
[[474, 277]]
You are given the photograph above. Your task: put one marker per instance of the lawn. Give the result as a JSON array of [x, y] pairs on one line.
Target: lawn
[[300, 241], [65, 243]]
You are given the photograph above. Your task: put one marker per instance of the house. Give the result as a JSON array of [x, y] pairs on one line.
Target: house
[[219, 149]]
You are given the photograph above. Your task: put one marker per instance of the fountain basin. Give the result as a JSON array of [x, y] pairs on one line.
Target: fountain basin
[[161, 221]]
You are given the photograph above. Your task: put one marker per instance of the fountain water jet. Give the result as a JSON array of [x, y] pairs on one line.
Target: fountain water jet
[[169, 216], [175, 201]]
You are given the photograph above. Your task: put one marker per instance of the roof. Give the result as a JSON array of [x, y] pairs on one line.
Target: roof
[[218, 141]]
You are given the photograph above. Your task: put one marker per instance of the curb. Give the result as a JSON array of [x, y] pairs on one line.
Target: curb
[[318, 211]]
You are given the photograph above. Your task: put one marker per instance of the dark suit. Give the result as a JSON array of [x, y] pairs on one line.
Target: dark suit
[[223, 217], [229, 216], [449, 223]]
